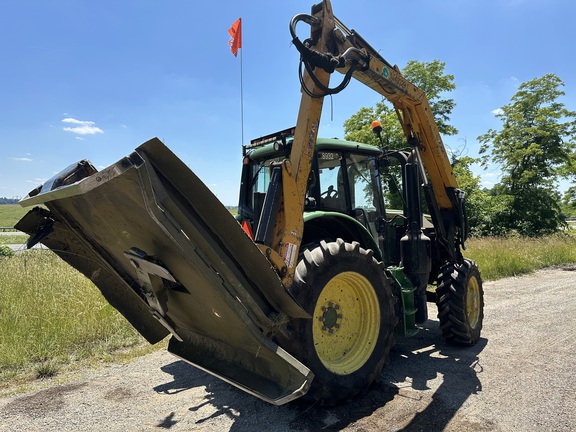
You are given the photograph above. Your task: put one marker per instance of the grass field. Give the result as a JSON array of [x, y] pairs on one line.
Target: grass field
[[52, 317], [13, 239], [10, 214]]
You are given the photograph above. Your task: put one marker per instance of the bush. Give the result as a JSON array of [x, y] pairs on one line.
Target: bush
[[5, 251]]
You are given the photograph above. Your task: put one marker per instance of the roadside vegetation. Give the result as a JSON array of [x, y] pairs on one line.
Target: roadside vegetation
[[500, 257], [52, 317], [13, 238]]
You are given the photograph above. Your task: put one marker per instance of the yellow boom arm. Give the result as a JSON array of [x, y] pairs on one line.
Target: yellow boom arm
[[332, 47]]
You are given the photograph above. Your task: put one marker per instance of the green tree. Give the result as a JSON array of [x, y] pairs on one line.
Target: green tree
[[477, 199], [569, 202], [358, 126], [533, 149], [428, 76]]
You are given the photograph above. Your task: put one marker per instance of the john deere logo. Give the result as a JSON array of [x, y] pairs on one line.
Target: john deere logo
[[385, 72]]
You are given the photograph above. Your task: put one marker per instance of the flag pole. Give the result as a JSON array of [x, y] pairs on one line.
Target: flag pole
[[241, 98], [236, 44]]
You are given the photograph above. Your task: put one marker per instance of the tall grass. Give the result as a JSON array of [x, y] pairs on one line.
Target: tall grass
[[502, 257], [50, 314]]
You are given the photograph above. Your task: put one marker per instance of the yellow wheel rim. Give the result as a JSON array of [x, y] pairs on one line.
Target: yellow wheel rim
[[346, 323], [473, 302]]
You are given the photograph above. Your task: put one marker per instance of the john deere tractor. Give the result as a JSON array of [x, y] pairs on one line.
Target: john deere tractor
[[305, 292]]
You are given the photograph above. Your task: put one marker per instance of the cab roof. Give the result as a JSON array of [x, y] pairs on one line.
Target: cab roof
[[322, 144]]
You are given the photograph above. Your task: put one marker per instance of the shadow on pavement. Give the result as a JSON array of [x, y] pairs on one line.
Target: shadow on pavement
[[415, 363]]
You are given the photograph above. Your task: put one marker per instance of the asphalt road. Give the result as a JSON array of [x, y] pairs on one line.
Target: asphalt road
[[519, 377]]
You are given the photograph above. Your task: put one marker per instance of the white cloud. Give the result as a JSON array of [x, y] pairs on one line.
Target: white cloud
[[21, 159], [82, 127], [497, 111], [513, 81], [37, 181]]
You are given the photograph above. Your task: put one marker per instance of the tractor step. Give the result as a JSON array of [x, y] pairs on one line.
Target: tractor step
[[407, 290]]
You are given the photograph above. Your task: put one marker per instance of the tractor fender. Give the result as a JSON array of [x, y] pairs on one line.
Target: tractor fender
[[321, 225]]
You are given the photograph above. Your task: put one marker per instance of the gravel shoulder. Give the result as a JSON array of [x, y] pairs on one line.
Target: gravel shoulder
[[519, 377]]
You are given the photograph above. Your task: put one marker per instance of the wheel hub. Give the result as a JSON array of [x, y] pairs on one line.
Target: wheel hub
[[331, 317]]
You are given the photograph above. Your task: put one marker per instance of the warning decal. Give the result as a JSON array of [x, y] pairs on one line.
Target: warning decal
[[290, 254]]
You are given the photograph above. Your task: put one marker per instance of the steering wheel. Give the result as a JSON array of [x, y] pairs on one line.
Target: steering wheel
[[330, 193]]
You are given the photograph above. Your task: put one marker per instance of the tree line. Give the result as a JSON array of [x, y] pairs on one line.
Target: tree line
[[534, 148], [4, 200]]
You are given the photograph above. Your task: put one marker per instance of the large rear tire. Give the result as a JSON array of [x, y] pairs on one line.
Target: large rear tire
[[348, 339], [460, 300]]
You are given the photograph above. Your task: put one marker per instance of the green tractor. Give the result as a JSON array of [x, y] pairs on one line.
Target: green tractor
[[365, 272], [305, 293]]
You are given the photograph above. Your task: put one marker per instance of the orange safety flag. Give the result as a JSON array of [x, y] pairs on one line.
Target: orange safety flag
[[236, 34], [246, 226]]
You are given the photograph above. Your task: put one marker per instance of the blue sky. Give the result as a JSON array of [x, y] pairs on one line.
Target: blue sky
[[93, 80]]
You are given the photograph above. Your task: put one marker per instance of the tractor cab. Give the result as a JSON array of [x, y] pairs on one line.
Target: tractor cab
[[343, 179]]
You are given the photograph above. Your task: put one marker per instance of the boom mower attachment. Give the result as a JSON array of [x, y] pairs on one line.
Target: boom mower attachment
[[172, 259]]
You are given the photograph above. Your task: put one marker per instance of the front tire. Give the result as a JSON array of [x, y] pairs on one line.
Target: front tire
[[348, 339], [460, 300]]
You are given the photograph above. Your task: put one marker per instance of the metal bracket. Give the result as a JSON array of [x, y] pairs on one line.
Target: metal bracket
[[150, 275]]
